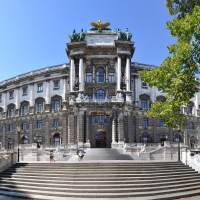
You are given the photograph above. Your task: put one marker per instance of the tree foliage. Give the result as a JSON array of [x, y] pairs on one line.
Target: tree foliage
[[177, 74]]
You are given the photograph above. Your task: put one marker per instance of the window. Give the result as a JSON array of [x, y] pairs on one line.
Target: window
[[0, 114], [11, 95], [56, 84], [56, 105], [100, 94], [10, 145], [191, 125], [100, 119], [162, 123], [189, 109], [145, 137], [24, 126], [25, 139], [89, 77], [90, 97], [93, 119], [11, 112], [10, 127], [25, 91], [24, 110], [55, 123], [39, 107], [177, 137], [144, 104], [100, 75], [0, 97], [39, 124], [57, 139], [39, 88], [111, 77], [107, 119], [145, 122], [144, 84]]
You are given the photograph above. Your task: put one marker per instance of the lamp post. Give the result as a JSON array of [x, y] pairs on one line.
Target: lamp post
[[177, 137], [18, 132]]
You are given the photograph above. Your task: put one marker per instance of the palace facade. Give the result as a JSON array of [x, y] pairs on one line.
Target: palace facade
[[97, 100]]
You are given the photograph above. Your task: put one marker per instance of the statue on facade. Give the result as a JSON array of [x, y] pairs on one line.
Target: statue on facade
[[128, 35], [100, 26], [119, 34], [73, 36], [81, 35]]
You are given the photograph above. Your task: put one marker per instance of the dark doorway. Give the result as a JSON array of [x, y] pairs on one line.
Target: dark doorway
[[101, 138]]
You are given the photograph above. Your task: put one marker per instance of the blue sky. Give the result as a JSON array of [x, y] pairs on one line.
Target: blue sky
[[34, 33]]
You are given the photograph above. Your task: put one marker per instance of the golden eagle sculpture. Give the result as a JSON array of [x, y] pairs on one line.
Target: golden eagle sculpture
[[100, 26]]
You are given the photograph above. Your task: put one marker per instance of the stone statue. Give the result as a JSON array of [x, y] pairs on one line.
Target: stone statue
[[124, 36], [77, 37]]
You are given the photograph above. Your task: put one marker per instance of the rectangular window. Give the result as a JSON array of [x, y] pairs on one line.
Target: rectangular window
[[144, 104], [0, 97], [25, 91], [107, 119], [55, 123], [24, 126], [24, 110], [11, 112], [56, 84], [191, 124], [189, 109], [11, 95], [10, 127], [144, 84], [162, 123], [0, 115], [39, 88], [100, 119], [145, 122], [39, 107], [90, 97], [39, 124], [111, 77], [89, 77], [56, 105], [93, 119]]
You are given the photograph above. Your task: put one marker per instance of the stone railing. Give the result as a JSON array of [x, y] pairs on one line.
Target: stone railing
[[7, 159], [32, 73]]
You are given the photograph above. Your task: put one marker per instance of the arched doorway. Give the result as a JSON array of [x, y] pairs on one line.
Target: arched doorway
[[56, 139], [163, 138], [100, 138], [145, 137]]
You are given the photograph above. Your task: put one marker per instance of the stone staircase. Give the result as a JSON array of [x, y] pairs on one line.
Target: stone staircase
[[96, 180]]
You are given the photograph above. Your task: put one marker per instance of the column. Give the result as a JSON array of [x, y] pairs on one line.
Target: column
[[93, 74], [130, 127], [80, 126], [136, 92], [119, 73], [106, 74], [87, 128], [114, 129], [71, 129], [128, 75], [32, 95], [81, 76], [17, 101], [72, 75], [120, 128], [5, 104], [94, 97], [47, 92], [64, 93], [196, 104]]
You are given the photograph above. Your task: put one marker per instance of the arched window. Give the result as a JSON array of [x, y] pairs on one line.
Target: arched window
[[11, 110], [100, 75], [100, 94], [25, 139], [145, 136]]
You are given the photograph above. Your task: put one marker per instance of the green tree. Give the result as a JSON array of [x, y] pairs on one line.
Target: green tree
[[177, 74]]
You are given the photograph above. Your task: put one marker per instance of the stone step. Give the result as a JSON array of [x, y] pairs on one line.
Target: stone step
[[97, 185], [103, 194], [163, 180]]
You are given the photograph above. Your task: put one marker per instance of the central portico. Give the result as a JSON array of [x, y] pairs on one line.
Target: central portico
[[100, 94]]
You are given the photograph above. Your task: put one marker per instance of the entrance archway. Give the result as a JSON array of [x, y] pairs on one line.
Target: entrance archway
[[100, 138], [163, 138]]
